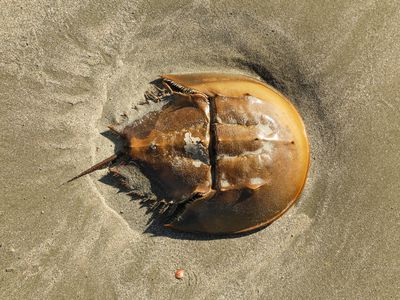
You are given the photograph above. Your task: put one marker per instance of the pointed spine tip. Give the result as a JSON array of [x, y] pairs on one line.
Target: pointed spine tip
[[97, 166]]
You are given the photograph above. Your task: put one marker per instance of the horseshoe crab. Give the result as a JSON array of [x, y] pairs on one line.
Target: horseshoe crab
[[230, 152]]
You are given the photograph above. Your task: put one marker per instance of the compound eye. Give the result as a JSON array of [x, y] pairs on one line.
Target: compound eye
[[152, 147]]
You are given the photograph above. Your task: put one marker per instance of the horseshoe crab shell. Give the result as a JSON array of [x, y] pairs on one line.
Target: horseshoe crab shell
[[230, 153]]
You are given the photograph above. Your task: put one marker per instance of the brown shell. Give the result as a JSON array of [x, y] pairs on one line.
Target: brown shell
[[231, 151], [172, 146]]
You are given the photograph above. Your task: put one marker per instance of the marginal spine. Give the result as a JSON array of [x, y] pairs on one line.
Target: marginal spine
[[179, 87]]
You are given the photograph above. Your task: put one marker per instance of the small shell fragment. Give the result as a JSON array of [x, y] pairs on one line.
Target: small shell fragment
[[179, 273]]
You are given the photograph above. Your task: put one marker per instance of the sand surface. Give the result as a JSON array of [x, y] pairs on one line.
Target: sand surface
[[70, 68]]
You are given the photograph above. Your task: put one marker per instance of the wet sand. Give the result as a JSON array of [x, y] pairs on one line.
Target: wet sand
[[70, 69]]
